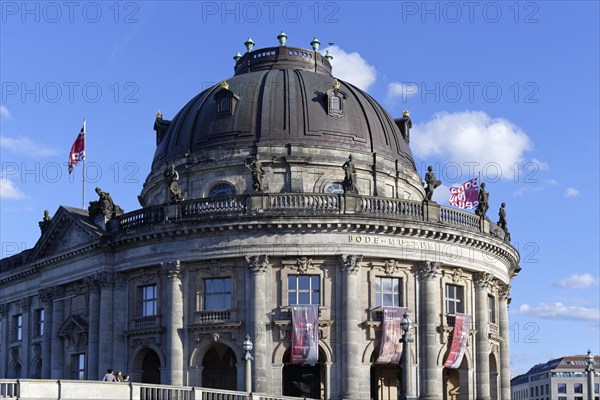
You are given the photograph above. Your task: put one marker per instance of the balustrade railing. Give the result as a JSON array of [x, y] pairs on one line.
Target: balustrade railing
[[209, 206], [214, 315], [144, 216], [305, 202], [399, 207], [461, 218]]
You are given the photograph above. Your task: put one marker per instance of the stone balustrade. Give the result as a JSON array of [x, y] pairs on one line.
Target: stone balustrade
[[314, 204]]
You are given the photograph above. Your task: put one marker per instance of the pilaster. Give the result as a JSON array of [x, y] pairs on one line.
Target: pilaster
[[482, 282], [174, 322]]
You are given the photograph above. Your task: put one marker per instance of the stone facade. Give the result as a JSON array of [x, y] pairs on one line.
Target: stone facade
[[168, 292]]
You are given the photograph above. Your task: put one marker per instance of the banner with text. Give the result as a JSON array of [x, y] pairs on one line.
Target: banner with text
[[466, 195], [390, 350], [462, 326], [305, 334]]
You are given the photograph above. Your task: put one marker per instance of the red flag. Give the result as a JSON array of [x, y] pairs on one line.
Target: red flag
[[465, 195], [462, 326], [77, 150]]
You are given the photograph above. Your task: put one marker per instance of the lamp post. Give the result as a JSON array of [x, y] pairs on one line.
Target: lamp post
[[248, 345], [407, 391], [589, 359]]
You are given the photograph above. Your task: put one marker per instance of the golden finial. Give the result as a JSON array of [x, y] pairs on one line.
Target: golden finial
[[406, 113], [225, 85], [336, 84], [159, 115]]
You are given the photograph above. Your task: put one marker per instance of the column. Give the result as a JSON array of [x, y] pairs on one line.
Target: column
[[351, 349], [93, 285], [57, 359], [119, 319], [4, 338], [105, 338], [46, 299], [174, 323], [429, 312], [26, 334], [503, 301], [258, 267], [482, 345]]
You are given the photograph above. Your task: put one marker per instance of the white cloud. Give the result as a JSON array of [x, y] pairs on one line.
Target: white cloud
[[4, 113], [466, 137], [26, 147], [401, 90], [351, 67], [8, 190], [572, 192], [560, 311], [576, 281], [541, 165]]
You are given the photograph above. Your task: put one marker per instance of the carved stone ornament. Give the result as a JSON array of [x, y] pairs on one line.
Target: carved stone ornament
[[214, 267], [258, 264], [92, 282], [350, 264], [504, 292], [428, 269], [457, 275], [26, 303], [390, 267], [483, 280], [4, 309], [304, 264], [173, 269]]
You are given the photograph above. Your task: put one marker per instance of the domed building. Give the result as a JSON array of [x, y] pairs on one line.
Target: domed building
[[283, 204]]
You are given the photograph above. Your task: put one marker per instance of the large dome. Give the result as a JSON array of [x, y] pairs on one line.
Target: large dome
[[281, 97]]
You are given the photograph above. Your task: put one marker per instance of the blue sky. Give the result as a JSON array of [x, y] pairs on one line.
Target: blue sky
[[508, 89]]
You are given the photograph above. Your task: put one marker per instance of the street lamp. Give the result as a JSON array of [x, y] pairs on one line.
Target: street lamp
[[407, 391], [589, 359], [248, 345]]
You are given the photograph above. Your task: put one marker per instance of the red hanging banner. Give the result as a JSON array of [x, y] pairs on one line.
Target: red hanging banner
[[462, 326]]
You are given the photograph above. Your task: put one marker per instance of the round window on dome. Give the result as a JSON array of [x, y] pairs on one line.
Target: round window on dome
[[221, 190], [335, 188]]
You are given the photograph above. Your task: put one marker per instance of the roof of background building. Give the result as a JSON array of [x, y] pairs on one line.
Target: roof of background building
[[566, 363]]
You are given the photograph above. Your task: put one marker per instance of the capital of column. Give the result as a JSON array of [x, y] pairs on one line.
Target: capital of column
[[173, 269], [4, 310], [427, 270], [26, 303], [350, 264], [482, 280], [92, 282], [258, 264], [504, 293]]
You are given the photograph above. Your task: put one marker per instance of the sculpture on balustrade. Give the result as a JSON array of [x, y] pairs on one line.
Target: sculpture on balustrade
[[104, 206], [430, 183], [349, 183], [45, 222], [257, 173], [502, 222], [172, 179], [483, 199]]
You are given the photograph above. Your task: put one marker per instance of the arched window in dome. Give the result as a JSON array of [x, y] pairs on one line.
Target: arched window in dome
[[335, 188], [335, 100], [222, 189], [226, 101]]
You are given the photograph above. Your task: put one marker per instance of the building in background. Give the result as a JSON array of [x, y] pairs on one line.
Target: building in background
[[563, 378], [279, 190]]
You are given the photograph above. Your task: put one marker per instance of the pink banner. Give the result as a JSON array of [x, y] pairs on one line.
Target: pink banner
[[462, 326], [466, 195], [305, 334], [390, 350]]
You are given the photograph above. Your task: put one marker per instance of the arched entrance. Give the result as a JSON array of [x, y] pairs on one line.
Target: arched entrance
[[493, 377], [150, 367], [304, 380], [456, 381], [385, 379], [219, 368]]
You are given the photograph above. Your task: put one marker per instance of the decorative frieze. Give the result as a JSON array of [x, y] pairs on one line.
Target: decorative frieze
[[427, 270], [258, 264], [350, 264]]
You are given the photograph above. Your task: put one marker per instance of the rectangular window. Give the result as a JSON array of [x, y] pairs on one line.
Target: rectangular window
[[562, 397], [531, 392], [148, 300], [537, 390], [578, 387], [578, 398], [596, 387], [79, 366], [18, 327], [387, 292], [455, 300], [39, 318], [335, 103], [217, 294], [492, 309], [304, 289], [547, 388]]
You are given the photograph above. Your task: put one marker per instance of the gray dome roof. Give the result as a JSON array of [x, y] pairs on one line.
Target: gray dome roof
[[280, 99]]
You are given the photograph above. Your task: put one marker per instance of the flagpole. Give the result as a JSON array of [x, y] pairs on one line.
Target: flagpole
[[83, 170]]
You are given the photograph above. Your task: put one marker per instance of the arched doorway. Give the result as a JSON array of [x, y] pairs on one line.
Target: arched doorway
[[304, 380], [151, 367], [386, 379], [219, 368], [493, 377], [456, 381]]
